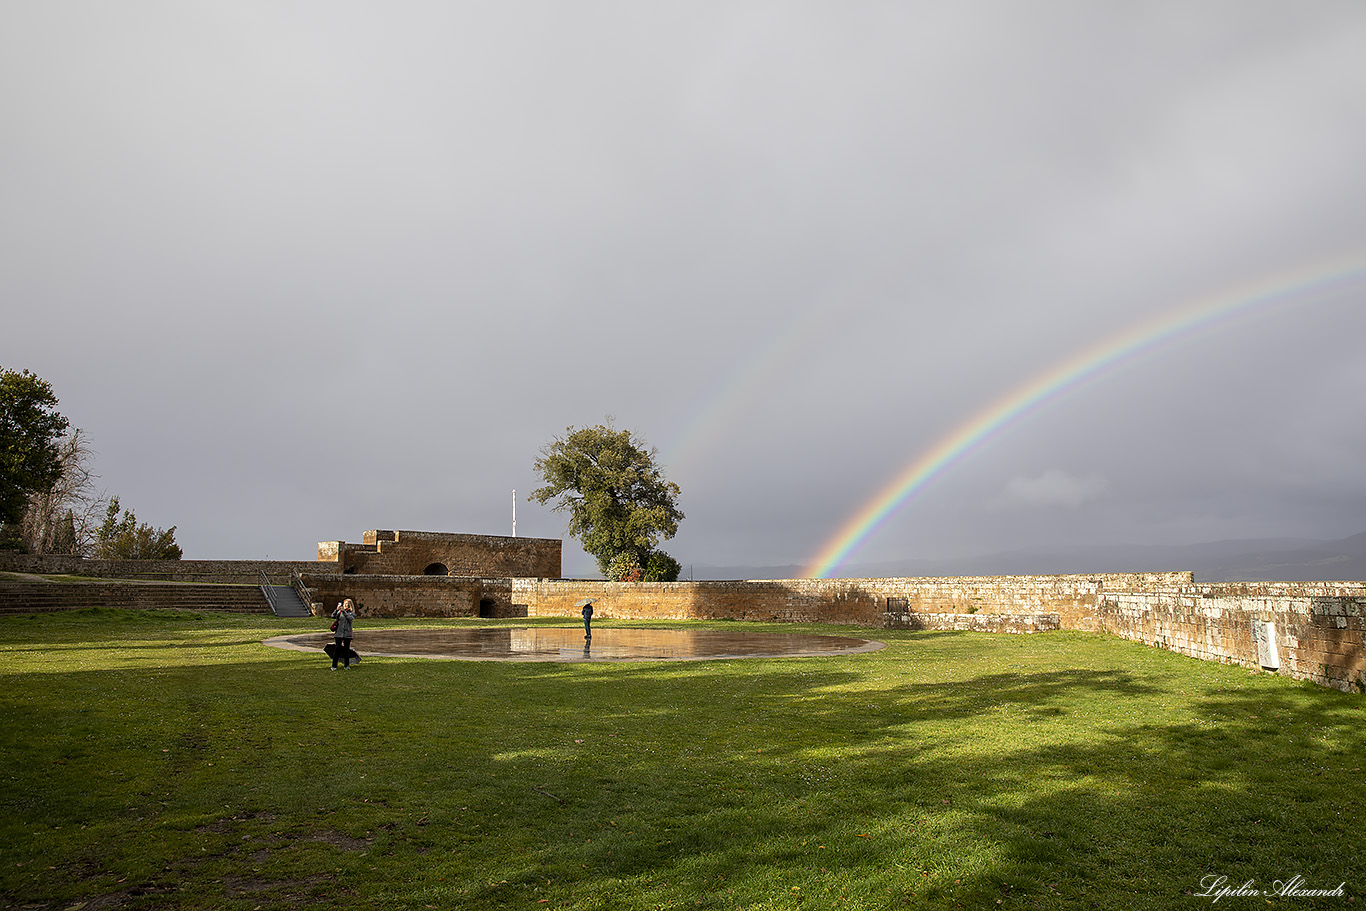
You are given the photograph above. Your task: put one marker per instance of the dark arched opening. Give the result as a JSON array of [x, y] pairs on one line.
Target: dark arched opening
[[487, 608], [436, 569]]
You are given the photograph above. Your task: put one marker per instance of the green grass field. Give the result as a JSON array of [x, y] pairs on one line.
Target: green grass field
[[157, 760]]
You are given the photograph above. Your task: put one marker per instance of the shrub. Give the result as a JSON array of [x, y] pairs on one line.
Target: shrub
[[660, 567], [624, 568]]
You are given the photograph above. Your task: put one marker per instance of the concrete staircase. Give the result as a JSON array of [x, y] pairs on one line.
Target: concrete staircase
[[40, 597], [286, 601]]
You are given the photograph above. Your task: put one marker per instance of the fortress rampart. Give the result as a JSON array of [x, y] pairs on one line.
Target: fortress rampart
[[418, 553], [1319, 628], [238, 572], [383, 552], [904, 602], [1306, 630]]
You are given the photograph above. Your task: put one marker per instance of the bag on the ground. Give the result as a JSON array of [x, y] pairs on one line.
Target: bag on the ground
[[333, 651]]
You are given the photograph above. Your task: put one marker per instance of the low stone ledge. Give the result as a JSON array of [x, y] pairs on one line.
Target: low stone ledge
[[977, 623]]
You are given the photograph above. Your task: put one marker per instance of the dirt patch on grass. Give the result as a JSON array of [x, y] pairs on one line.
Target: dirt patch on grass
[[290, 891], [338, 840], [116, 899], [229, 823]]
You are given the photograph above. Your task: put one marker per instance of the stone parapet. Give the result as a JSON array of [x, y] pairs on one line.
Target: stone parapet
[[1307, 630], [977, 623], [1317, 636], [416, 553], [412, 596], [235, 572], [864, 602]]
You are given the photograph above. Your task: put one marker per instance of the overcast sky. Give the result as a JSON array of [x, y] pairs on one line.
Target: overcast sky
[[303, 269]]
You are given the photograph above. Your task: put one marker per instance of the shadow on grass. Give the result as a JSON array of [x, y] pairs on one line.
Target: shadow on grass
[[767, 783], [1244, 786]]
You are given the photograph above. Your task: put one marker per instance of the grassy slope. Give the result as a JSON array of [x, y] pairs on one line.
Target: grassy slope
[[169, 760]]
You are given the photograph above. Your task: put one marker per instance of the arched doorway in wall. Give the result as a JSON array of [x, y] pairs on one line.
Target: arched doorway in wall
[[487, 608], [436, 569]]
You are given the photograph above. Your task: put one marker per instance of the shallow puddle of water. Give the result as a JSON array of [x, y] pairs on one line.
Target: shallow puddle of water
[[570, 644]]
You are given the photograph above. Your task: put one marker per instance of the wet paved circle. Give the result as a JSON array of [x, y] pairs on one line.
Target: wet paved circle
[[569, 644]]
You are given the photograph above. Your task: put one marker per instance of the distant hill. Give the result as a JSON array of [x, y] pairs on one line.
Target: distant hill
[[1251, 560], [739, 572], [1332, 561]]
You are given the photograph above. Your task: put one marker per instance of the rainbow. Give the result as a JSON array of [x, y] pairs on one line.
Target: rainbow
[[734, 391], [1301, 287]]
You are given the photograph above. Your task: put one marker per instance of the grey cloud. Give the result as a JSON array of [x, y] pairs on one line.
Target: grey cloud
[[1054, 487], [792, 245]]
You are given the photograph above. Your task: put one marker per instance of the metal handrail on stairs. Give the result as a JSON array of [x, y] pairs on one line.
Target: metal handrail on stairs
[[270, 595], [301, 590]]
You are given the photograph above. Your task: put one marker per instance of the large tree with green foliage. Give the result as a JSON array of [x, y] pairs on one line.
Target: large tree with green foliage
[[620, 505], [31, 431]]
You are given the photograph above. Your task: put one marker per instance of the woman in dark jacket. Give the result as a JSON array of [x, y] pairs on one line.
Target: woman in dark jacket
[[345, 615]]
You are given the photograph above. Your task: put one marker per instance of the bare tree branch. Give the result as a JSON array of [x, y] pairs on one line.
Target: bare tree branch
[[65, 518]]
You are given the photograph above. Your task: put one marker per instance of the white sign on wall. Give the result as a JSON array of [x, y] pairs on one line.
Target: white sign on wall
[[1264, 632]]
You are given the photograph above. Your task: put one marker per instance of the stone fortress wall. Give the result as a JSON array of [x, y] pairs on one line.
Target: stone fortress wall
[[397, 553], [1312, 631], [1306, 630], [428, 553], [1318, 629], [223, 572]]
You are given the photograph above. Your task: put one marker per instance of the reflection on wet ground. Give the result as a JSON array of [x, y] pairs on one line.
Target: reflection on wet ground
[[570, 644]]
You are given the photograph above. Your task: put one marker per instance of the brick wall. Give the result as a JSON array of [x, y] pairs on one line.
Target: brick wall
[[412, 596], [411, 553], [239, 572], [1072, 597], [779, 601], [1320, 627], [385, 553], [865, 602], [977, 623]]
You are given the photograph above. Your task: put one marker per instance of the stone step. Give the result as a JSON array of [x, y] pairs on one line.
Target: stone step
[[40, 597]]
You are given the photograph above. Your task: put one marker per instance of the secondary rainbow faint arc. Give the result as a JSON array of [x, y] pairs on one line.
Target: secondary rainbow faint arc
[[1082, 366]]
